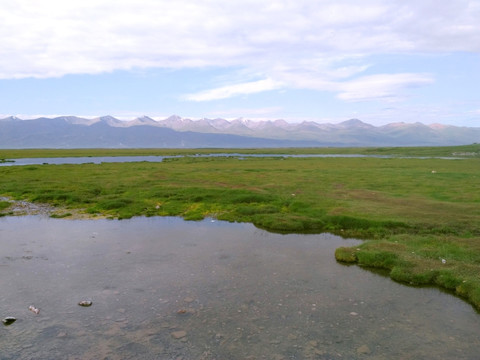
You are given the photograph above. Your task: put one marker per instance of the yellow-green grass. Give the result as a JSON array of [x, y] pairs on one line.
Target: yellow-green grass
[[420, 217]]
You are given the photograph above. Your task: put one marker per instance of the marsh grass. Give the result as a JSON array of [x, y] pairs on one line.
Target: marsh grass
[[449, 262], [413, 212], [4, 205]]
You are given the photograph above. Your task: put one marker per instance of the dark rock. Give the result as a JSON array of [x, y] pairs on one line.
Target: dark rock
[[9, 320]]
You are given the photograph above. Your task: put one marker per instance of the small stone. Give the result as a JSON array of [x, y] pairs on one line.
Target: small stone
[[353, 313], [188, 299], [179, 334], [186, 312], [85, 303], [9, 320], [363, 350], [34, 309]]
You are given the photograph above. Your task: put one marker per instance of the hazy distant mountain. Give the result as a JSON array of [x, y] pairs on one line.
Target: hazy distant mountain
[[177, 132]]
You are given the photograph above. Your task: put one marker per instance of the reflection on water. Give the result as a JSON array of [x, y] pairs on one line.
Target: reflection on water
[[163, 288]]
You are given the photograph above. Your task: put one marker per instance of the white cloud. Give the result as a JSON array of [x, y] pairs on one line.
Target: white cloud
[[386, 87], [51, 38], [251, 113], [301, 44], [228, 91]]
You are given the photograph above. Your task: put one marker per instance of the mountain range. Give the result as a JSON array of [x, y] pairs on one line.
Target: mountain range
[[178, 132]]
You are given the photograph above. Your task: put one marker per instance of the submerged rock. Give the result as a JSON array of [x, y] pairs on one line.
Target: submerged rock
[[186, 312], [85, 303], [363, 350], [179, 334], [9, 320]]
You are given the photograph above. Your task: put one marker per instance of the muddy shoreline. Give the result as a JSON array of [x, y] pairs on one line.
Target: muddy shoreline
[[23, 208]]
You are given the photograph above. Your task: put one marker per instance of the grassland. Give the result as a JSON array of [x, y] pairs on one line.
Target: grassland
[[420, 216], [447, 151]]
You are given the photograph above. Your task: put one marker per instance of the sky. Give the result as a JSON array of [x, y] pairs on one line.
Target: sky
[[380, 61]]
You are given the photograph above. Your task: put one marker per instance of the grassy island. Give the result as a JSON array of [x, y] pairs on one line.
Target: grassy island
[[418, 211]]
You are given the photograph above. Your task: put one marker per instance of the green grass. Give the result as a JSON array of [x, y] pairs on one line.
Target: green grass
[[472, 150], [4, 205], [413, 212], [449, 262]]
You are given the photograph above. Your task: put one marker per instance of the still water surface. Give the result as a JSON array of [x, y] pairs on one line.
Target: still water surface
[[163, 288], [152, 158]]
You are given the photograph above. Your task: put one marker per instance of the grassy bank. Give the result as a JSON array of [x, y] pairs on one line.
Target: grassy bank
[[421, 217]]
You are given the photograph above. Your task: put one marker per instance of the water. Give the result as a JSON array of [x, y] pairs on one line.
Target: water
[[83, 160], [123, 159], [163, 288]]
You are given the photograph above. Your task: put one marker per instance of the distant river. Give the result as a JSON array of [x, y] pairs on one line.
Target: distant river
[[120, 159], [164, 288]]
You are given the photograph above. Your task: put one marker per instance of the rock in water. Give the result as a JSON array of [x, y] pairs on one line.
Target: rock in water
[[9, 320], [363, 350], [179, 334], [85, 303]]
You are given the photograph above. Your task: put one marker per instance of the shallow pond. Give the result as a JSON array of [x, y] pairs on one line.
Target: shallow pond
[[163, 288]]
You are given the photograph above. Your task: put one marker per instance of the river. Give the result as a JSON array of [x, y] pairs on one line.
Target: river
[[152, 158]]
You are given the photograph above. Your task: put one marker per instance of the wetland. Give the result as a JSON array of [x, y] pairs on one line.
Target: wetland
[[415, 210]]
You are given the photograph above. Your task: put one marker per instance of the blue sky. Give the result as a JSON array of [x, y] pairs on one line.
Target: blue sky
[[380, 61]]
